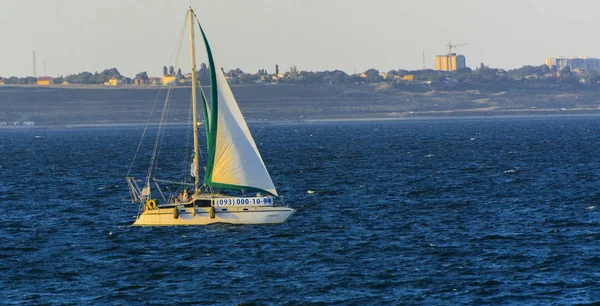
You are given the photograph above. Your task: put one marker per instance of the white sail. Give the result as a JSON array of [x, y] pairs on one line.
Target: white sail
[[237, 161]]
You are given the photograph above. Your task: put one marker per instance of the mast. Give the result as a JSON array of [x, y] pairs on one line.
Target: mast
[[194, 109]]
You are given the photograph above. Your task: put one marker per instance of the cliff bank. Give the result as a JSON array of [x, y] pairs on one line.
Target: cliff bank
[[60, 105]]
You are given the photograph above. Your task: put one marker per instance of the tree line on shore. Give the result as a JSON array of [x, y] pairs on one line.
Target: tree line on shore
[[541, 76]]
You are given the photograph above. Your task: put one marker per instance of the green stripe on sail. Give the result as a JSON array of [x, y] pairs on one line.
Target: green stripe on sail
[[211, 132]]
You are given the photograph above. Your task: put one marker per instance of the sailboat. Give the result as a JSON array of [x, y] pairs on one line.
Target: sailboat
[[237, 187]]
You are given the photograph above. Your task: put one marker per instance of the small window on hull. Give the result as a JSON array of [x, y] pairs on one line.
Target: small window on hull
[[202, 203]]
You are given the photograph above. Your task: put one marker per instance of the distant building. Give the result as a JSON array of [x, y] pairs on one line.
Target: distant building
[[139, 81], [574, 63], [113, 81], [168, 80], [44, 80], [64, 83], [408, 77], [450, 62], [154, 80], [187, 79]]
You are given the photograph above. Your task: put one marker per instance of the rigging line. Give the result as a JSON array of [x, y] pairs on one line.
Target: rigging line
[[173, 182], [166, 107], [160, 191], [144, 132], [181, 33], [164, 119], [164, 129], [158, 136], [187, 155], [178, 46], [201, 156], [180, 43], [161, 134]]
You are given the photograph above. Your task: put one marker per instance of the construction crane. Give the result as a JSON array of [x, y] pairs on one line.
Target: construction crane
[[450, 46]]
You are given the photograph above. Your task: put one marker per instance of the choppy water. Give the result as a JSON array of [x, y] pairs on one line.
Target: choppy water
[[490, 211]]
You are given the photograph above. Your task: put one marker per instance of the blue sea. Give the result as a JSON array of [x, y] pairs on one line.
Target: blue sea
[[424, 212]]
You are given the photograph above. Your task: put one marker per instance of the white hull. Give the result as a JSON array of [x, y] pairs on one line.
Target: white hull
[[202, 216]]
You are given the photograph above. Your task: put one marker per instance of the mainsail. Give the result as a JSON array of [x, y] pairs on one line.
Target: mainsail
[[233, 158]]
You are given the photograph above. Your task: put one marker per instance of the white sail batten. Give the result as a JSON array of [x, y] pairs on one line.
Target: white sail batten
[[237, 161]]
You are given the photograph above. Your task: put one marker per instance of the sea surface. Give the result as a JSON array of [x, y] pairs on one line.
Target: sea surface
[[439, 212]]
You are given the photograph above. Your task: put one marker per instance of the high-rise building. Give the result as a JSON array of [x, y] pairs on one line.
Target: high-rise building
[[450, 62], [574, 63]]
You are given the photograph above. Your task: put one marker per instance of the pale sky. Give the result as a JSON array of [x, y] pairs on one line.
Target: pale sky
[[349, 35]]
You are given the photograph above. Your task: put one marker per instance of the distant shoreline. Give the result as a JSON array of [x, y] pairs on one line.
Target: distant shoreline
[[82, 106], [457, 118], [89, 86], [309, 121]]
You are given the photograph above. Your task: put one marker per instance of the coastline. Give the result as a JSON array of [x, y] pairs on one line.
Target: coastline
[[103, 106], [312, 121]]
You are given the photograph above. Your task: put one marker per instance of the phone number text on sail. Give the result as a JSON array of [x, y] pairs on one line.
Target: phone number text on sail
[[264, 201]]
